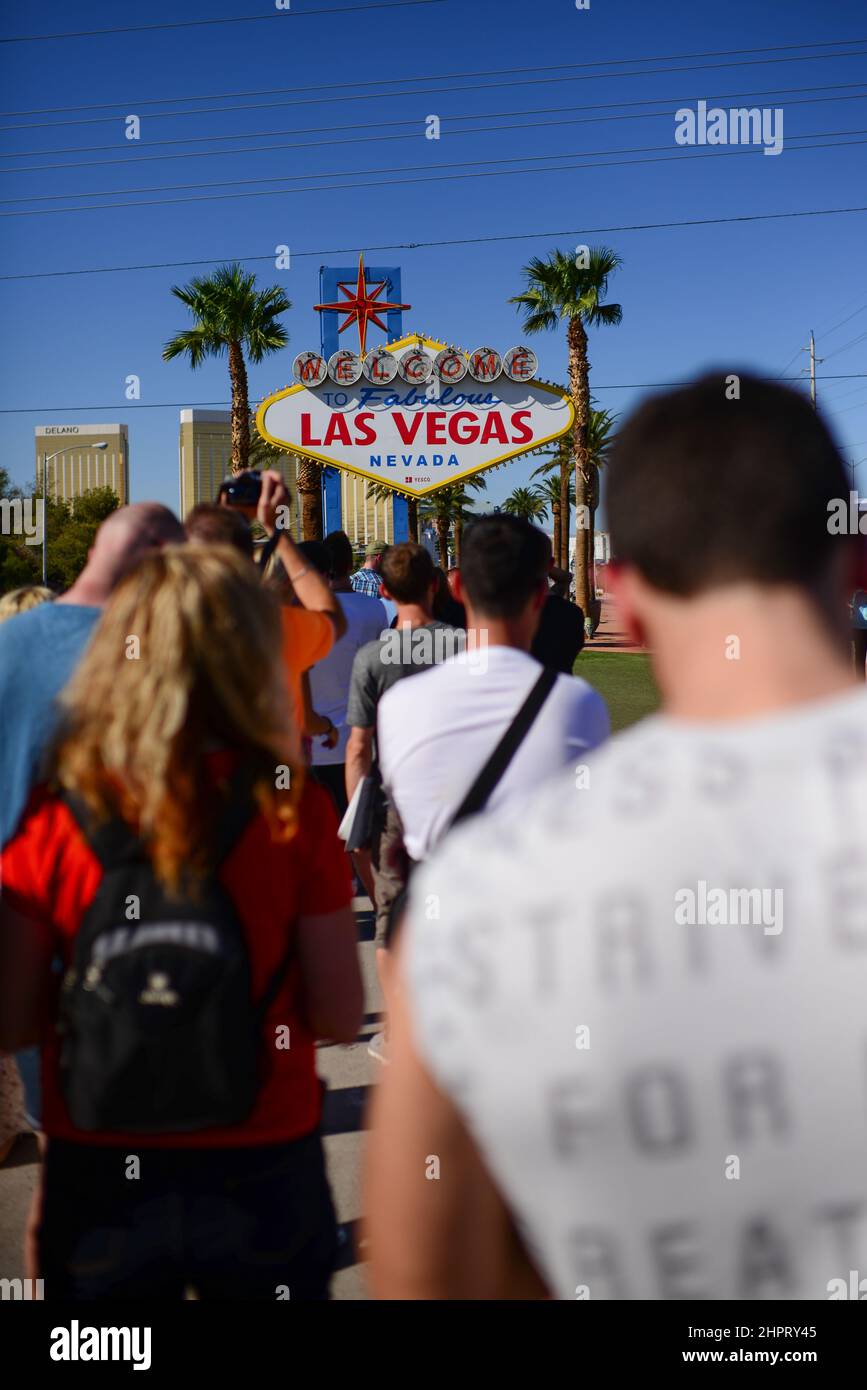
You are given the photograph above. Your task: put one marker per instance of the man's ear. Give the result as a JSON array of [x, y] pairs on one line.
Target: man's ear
[[540, 596], [459, 593], [625, 585]]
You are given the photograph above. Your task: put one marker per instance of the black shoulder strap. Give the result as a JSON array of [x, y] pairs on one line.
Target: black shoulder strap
[[477, 796]]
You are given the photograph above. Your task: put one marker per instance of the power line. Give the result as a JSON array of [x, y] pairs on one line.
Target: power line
[[826, 332], [835, 387], [397, 183], [846, 346], [133, 159], [433, 91], [236, 19], [857, 406], [434, 77], [202, 405], [451, 241], [349, 173]]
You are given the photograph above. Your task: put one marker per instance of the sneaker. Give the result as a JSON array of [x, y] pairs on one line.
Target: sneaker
[[378, 1048]]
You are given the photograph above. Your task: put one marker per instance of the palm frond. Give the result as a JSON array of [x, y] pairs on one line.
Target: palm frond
[[196, 344]]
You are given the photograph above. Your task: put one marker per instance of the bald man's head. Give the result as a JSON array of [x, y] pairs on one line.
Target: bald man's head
[[123, 539]]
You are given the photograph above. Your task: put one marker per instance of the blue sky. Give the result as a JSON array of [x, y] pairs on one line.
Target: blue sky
[[738, 295]]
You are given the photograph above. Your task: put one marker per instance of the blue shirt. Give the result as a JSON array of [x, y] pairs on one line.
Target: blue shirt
[[39, 651]]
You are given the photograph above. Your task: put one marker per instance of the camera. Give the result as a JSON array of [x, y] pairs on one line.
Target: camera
[[241, 489]]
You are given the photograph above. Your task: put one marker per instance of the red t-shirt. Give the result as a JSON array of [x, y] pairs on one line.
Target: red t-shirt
[[50, 874]]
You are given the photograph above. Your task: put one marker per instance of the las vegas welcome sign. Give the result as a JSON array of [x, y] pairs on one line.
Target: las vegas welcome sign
[[416, 414]]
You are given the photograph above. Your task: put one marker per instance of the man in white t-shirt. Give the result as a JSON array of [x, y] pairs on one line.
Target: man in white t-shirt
[[632, 1023], [435, 733]]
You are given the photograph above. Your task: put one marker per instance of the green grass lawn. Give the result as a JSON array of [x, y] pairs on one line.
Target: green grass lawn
[[624, 681]]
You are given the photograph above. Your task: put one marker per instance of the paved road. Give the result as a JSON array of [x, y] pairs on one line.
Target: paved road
[[348, 1072]]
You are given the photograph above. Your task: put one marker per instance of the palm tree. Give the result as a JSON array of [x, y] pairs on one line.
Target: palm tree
[[572, 288], [447, 505], [309, 484], [561, 458], [231, 316], [461, 512], [549, 488], [527, 502], [600, 437]]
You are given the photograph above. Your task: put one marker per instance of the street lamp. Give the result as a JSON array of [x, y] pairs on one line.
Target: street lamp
[[70, 448]]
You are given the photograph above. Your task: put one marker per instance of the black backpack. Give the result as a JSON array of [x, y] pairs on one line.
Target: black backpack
[[159, 1033]]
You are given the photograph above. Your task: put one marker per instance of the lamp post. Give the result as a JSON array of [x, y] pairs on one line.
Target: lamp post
[[70, 448]]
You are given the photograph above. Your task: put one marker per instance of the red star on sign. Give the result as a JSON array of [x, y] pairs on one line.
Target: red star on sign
[[360, 306]]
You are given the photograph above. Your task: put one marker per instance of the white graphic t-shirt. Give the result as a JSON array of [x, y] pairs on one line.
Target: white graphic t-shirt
[[645, 989]]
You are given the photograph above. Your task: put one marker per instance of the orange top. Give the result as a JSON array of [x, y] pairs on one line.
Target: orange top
[[307, 638]]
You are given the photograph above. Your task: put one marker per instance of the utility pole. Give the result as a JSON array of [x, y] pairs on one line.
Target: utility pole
[[813, 360]]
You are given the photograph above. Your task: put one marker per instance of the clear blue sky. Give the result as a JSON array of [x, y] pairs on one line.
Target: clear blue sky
[[735, 295]]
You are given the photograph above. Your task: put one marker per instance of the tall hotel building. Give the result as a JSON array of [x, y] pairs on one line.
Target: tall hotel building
[[205, 460], [364, 518], [68, 463]]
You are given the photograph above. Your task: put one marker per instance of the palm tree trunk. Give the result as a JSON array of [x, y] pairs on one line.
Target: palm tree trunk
[[458, 533], [310, 492], [556, 544], [240, 408], [579, 386], [412, 518], [442, 525], [561, 553]]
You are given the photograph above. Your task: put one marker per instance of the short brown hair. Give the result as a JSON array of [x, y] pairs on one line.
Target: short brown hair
[[210, 524], [408, 572], [705, 488]]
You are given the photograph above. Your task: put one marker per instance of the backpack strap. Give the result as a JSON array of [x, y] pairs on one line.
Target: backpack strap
[[272, 989], [494, 769], [110, 840], [238, 810]]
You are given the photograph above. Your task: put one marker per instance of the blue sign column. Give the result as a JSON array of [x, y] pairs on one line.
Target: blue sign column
[[329, 276]]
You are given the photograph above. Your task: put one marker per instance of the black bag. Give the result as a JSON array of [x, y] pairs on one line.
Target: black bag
[[159, 1033], [494, 769]]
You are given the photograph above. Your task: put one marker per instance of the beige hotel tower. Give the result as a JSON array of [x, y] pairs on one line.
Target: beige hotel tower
[[205, 459], [76, 466]]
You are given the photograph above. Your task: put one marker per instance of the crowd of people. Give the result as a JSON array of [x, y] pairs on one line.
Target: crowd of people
[[622, 1052]]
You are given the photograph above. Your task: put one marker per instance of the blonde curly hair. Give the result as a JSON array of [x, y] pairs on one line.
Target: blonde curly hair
[[22, 600], [186, 658]]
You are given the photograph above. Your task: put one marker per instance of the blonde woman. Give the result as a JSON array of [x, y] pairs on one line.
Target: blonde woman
[[181, 689]]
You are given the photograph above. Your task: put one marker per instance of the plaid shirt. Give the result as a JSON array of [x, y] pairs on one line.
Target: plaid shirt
[[366, 582]]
